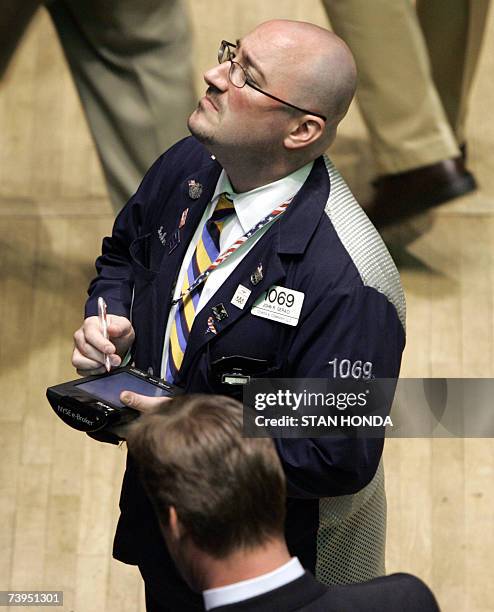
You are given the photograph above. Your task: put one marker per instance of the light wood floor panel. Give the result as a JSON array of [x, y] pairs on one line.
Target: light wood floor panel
[[10, 443], [477, 263], [479, 525], [61, 558], [445, 294], [68, 454], [102, 465], [60, 490], [125, 588], [17, 242], [30, 528], [94, 570], [448, 523], [409, 506]]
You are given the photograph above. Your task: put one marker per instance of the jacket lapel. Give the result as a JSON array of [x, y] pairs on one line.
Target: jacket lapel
[[187, 213], [207, 177]]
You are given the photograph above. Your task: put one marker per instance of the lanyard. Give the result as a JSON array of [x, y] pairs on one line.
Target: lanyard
[[273, 215]]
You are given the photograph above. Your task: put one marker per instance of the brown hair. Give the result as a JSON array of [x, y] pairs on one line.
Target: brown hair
[[228, 491]]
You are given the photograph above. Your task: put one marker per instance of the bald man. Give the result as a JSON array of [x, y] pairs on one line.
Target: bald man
[[243, 254]]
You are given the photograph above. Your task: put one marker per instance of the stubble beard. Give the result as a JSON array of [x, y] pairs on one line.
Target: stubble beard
[[200, 133]]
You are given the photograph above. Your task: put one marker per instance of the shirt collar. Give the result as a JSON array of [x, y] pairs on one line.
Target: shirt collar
[[232, 593], [252, 206]]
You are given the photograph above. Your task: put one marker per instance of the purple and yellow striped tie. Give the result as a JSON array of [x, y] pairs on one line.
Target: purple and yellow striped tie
[[207, 250]]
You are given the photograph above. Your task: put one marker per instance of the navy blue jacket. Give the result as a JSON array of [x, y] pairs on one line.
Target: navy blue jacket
[[343, 317], [401, 592]]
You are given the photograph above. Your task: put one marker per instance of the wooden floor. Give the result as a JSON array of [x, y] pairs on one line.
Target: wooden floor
[[59, 490]]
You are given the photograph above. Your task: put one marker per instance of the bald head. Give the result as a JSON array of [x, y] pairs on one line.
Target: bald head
[[316, 65], [297, 74]]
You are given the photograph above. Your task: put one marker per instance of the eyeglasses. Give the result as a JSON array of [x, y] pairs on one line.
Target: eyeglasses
[[239, 77]]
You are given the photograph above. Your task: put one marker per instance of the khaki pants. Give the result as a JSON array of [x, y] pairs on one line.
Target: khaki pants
[[131, 63], [416, 68]]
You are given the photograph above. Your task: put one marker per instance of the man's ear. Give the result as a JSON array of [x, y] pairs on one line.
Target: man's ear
[[174, 524], [305, 132]]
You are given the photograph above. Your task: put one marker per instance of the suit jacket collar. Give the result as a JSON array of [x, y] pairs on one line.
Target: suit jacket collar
[[298, 223], [253, 587], [304, 213], [289, 597], [254, 205]]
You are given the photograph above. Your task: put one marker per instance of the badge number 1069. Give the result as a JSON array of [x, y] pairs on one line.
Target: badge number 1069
[[279, 304]]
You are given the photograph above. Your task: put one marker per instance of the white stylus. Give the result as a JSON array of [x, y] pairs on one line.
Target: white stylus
[[103, 323]]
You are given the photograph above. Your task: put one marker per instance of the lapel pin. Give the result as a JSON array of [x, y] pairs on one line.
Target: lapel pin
[[211, 328], [162, 236], [257, 276], [195, 189], [219, 312], [183, 218], [241, 296]]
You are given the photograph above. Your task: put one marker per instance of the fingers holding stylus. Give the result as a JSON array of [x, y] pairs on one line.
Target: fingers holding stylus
[[90, 348]]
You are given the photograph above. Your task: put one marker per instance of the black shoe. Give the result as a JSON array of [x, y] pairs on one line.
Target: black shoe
[[399, 196]]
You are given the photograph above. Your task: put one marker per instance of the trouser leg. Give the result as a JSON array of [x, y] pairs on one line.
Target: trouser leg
[[454, 35], [14, 19], [131, 63], [397, 97]]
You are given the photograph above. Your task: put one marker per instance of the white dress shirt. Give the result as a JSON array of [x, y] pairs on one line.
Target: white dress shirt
[[233, 593], [250, 208]]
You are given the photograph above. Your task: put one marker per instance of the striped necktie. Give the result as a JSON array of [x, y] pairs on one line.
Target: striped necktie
[[207, 250]]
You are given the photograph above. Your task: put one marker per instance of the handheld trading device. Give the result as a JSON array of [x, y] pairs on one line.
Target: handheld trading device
[[93, 403]]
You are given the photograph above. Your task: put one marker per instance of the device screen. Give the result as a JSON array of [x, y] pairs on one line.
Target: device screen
[[109, 388]]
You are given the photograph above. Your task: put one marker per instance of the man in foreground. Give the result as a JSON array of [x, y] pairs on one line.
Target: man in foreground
[[253, 186], [219, 499]]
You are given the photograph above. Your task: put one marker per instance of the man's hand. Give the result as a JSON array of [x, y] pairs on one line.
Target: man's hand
[[143, 403], [91, 346]]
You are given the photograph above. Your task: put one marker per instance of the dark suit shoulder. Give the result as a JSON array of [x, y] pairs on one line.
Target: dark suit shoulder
[[184, 157], [402, 592], [342, 249], [185, 160]]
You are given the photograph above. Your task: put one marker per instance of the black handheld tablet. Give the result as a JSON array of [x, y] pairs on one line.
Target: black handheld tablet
[[93, 403]]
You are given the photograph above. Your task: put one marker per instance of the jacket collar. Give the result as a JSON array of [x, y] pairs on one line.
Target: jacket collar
[[294, 229], [252, 587], [256, 204], [290, 597], [298, 224]]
